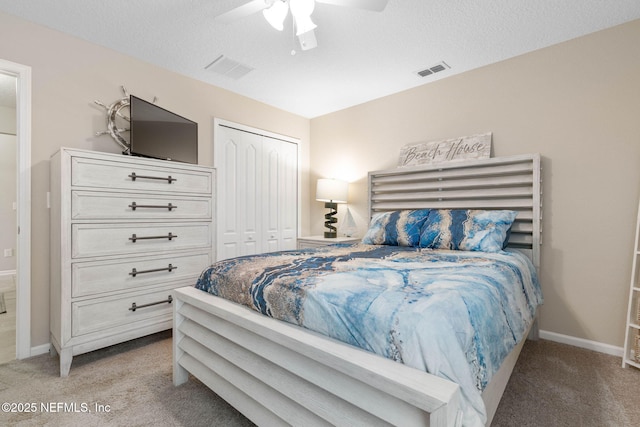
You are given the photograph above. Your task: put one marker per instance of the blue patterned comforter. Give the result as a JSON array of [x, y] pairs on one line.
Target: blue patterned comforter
[[454, 314]]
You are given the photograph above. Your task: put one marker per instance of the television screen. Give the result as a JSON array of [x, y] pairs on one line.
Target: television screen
[[161, 134]]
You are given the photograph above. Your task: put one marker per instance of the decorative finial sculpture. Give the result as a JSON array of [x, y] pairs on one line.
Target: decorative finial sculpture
[[115, 110]]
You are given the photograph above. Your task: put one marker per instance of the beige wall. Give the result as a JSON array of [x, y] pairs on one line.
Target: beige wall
[[68, 74], [578, 105]]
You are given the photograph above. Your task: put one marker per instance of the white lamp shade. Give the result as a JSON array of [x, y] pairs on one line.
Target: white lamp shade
[[332, 190], [276, 14]]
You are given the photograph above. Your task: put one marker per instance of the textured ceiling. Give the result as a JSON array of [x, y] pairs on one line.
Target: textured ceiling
[[361, 55]]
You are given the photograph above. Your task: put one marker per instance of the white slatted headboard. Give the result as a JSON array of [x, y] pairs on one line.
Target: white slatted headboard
[[497, 183]]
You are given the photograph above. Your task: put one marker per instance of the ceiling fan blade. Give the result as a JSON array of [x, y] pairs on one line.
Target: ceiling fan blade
[[374, 5], [254, 6]]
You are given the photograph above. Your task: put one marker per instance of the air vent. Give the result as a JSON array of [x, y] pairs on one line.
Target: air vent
[[228, 67], [434, 69]]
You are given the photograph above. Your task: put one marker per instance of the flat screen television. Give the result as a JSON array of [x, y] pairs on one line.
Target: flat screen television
[[161, 134]]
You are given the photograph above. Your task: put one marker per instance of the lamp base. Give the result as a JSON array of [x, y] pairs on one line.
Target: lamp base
[[330, 220]]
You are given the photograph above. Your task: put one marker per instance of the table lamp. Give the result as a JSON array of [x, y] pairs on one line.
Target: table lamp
[[332, 192]]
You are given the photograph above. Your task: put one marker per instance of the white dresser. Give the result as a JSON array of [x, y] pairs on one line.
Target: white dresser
[[125, 231]]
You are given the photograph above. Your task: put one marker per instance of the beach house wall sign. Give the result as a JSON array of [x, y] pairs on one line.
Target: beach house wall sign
[[462, 148]]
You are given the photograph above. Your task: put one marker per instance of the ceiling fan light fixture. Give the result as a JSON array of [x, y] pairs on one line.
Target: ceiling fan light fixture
[[304, 25], [301, 11], [302, 7], [276, 14]]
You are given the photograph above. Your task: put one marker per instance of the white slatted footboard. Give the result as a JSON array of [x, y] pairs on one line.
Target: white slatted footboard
[[280, 374]]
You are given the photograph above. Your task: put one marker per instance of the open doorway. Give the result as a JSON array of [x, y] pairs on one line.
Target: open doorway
[[18, 244], [8, 216]]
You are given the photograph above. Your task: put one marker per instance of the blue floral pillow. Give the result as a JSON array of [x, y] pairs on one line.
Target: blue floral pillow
[[397, 228], [467, 230]]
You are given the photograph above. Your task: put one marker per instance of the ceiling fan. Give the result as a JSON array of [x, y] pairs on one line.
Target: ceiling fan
[[275, 12]]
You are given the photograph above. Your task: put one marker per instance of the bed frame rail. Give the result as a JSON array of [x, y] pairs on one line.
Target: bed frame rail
[[259, 363]]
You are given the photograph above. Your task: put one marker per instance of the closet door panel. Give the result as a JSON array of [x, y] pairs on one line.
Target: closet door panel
[[249, 192], [228, 205], [238, 190], [288, 195], [271, 194]]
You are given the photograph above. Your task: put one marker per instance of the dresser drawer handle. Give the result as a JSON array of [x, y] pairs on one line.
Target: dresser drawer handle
[[134, 272], [133, 177], [169, 206], [169, 236], [134, 307]]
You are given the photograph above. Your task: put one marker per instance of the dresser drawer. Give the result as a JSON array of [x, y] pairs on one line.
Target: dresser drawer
[[92, 205], [89, 172], [97, 277], [90, 240], [106, 313]]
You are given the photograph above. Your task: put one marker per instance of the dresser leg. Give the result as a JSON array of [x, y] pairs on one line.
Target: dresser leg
[[66, 356]]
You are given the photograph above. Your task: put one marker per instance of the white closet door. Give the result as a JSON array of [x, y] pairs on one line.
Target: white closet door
[[249, 190], [257, 192], [280, 195], [239, 193], [271, 169], [288, 195]]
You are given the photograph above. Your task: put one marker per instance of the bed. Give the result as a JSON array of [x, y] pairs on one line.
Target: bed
[[293, 372]]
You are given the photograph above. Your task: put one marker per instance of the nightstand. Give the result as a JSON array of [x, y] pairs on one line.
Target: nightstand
[[319, 241]]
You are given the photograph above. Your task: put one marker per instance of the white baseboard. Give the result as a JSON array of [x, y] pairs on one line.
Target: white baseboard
[[546, 335], [582, 343], [40, 349]]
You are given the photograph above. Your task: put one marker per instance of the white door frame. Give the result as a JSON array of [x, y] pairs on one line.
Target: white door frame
[[23, 264]]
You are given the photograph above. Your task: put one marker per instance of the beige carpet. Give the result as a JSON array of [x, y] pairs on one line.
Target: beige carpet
[[552, 385], [559, 385], [133, 378]]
